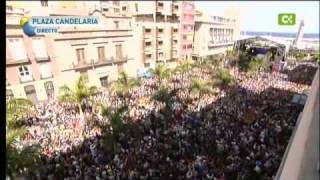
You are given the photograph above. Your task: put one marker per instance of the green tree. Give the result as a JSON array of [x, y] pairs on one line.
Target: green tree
[[161, 72], [244, 61], [232, 57], [79, 93], [115, 117], [199, 86], [223, 78], [123, 85], [184, 68], [19, 161], [166, 96]]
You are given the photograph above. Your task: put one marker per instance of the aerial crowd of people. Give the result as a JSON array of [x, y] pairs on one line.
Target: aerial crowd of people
[[237, 132]]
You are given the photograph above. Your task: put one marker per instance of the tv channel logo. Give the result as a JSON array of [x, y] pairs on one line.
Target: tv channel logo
[[287, 19]]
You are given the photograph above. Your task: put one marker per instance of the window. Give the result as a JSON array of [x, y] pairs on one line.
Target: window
[[160, 30], [124, 8], [148, 56], [175, 42], [189, 46], [148, 43], [160, 43], [119, 52], [104, 81], [136, 6], [17, 48], [44, 3], [39, 48], [160, 4], [24, 71], [211, 34], [184, 47], [9, 94], [31, 93], [116, 10], [175, 30], [84, 75], [184, 37], [105, 9], [45, 70], [116, 24], [48, 86], [101, 55], [174, 53], [160, 55], [148, 30], [80, 54]]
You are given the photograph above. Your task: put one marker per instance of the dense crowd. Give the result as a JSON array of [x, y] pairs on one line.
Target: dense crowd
[[239, 132]]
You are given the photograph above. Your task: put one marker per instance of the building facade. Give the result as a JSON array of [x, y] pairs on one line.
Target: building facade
[[132, 35], [31, 68], [37, 66], [213, 35], [157, 31]]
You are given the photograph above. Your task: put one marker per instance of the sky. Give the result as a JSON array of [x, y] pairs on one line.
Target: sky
[[263, 15]]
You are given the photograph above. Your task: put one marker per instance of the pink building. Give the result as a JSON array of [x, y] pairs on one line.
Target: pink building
[[30, 62], [186, 29]]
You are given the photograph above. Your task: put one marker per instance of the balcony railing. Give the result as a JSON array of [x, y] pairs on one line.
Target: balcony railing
[[24, 79]]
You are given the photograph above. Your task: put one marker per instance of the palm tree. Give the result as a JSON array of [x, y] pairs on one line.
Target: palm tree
[[19, 161], [166, 96], [161, 72], [184, 67], [79, 93], [199, 86], [223, 78], [115, 117], [123, 85]]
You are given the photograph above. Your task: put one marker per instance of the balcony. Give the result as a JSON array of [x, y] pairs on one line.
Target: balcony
[[120, 59], [25, 79], [160, 18], [92, 64], [148, 33], [148, 48], [42, 59], [11, 61]]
